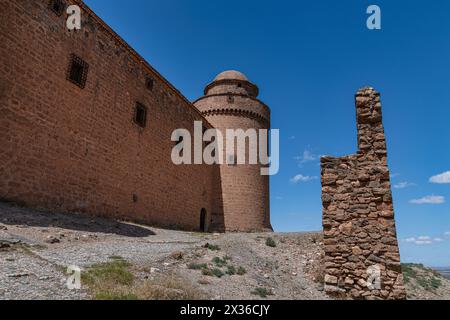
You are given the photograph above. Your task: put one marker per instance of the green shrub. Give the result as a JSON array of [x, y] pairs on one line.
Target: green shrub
[[271, 243], [408, 272], [241, 271], [213, 272], [212, 247], [197, 266], [219, 262], [217, 272], [435, 283], [231, 270]]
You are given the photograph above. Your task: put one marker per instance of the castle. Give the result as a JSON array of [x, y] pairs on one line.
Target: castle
[[86, 124]]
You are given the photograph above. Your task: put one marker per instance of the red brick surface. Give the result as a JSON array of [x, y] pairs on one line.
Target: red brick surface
[[78, 149], [232, 104], [72, 149]]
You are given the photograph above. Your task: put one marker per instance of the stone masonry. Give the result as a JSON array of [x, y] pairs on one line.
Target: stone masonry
[[86, 126], [362, 259]]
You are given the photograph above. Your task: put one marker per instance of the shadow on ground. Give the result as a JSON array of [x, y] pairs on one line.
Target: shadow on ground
[[11, 214]]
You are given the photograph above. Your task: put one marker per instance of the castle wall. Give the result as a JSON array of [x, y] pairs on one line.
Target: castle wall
[[73, 149], [358, 215]]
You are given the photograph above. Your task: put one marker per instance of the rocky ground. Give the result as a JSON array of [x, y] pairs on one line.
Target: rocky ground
[[36, 248]]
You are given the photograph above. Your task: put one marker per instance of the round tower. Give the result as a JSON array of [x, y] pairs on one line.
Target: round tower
[[230, 102]]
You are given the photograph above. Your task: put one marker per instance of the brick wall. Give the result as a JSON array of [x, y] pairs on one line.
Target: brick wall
[[358, 215], [72, 149]]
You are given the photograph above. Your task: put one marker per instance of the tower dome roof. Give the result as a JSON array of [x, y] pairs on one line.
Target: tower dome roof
[[231, 75]]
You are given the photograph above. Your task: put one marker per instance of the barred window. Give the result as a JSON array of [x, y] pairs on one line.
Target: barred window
[[140, 115], [78, 71], [149, 83], [57, 6]]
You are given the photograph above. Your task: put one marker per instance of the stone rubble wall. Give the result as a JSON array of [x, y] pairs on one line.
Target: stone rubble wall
[[358, 216]]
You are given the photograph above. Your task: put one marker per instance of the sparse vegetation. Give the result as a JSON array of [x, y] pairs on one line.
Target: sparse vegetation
[[231, 270], [219, 262], [408, 272], [113, 280], [417, 273], [207, 272], [115, 296], [221, 268], [241, 271], [114, 272], [212, 247], [197, 266], [262, 292], [270, 242], [217, 272]]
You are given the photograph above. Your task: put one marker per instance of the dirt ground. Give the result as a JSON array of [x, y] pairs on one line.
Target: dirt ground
[[36, 247]]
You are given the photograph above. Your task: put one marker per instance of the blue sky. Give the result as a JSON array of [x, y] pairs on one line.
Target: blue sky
[[308, 59]]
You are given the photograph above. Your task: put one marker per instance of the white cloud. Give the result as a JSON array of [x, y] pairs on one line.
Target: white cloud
[[422, 240], [441, 178], [307, 156], [447, 233], [429, 200], [301, 178], [403, 185]]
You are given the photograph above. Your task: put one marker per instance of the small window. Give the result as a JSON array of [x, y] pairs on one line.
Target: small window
[[230, 99], [78, 71], [57, 6], [239, 85], [149, 83], [140, 115]]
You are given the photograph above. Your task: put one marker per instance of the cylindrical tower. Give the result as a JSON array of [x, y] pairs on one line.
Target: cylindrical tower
[[230, 102]]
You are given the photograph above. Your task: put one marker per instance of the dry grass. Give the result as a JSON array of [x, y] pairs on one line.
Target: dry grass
[[114, 281], [168, 288]]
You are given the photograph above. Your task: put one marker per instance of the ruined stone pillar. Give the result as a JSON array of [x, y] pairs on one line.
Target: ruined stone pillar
[[362, 259]]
